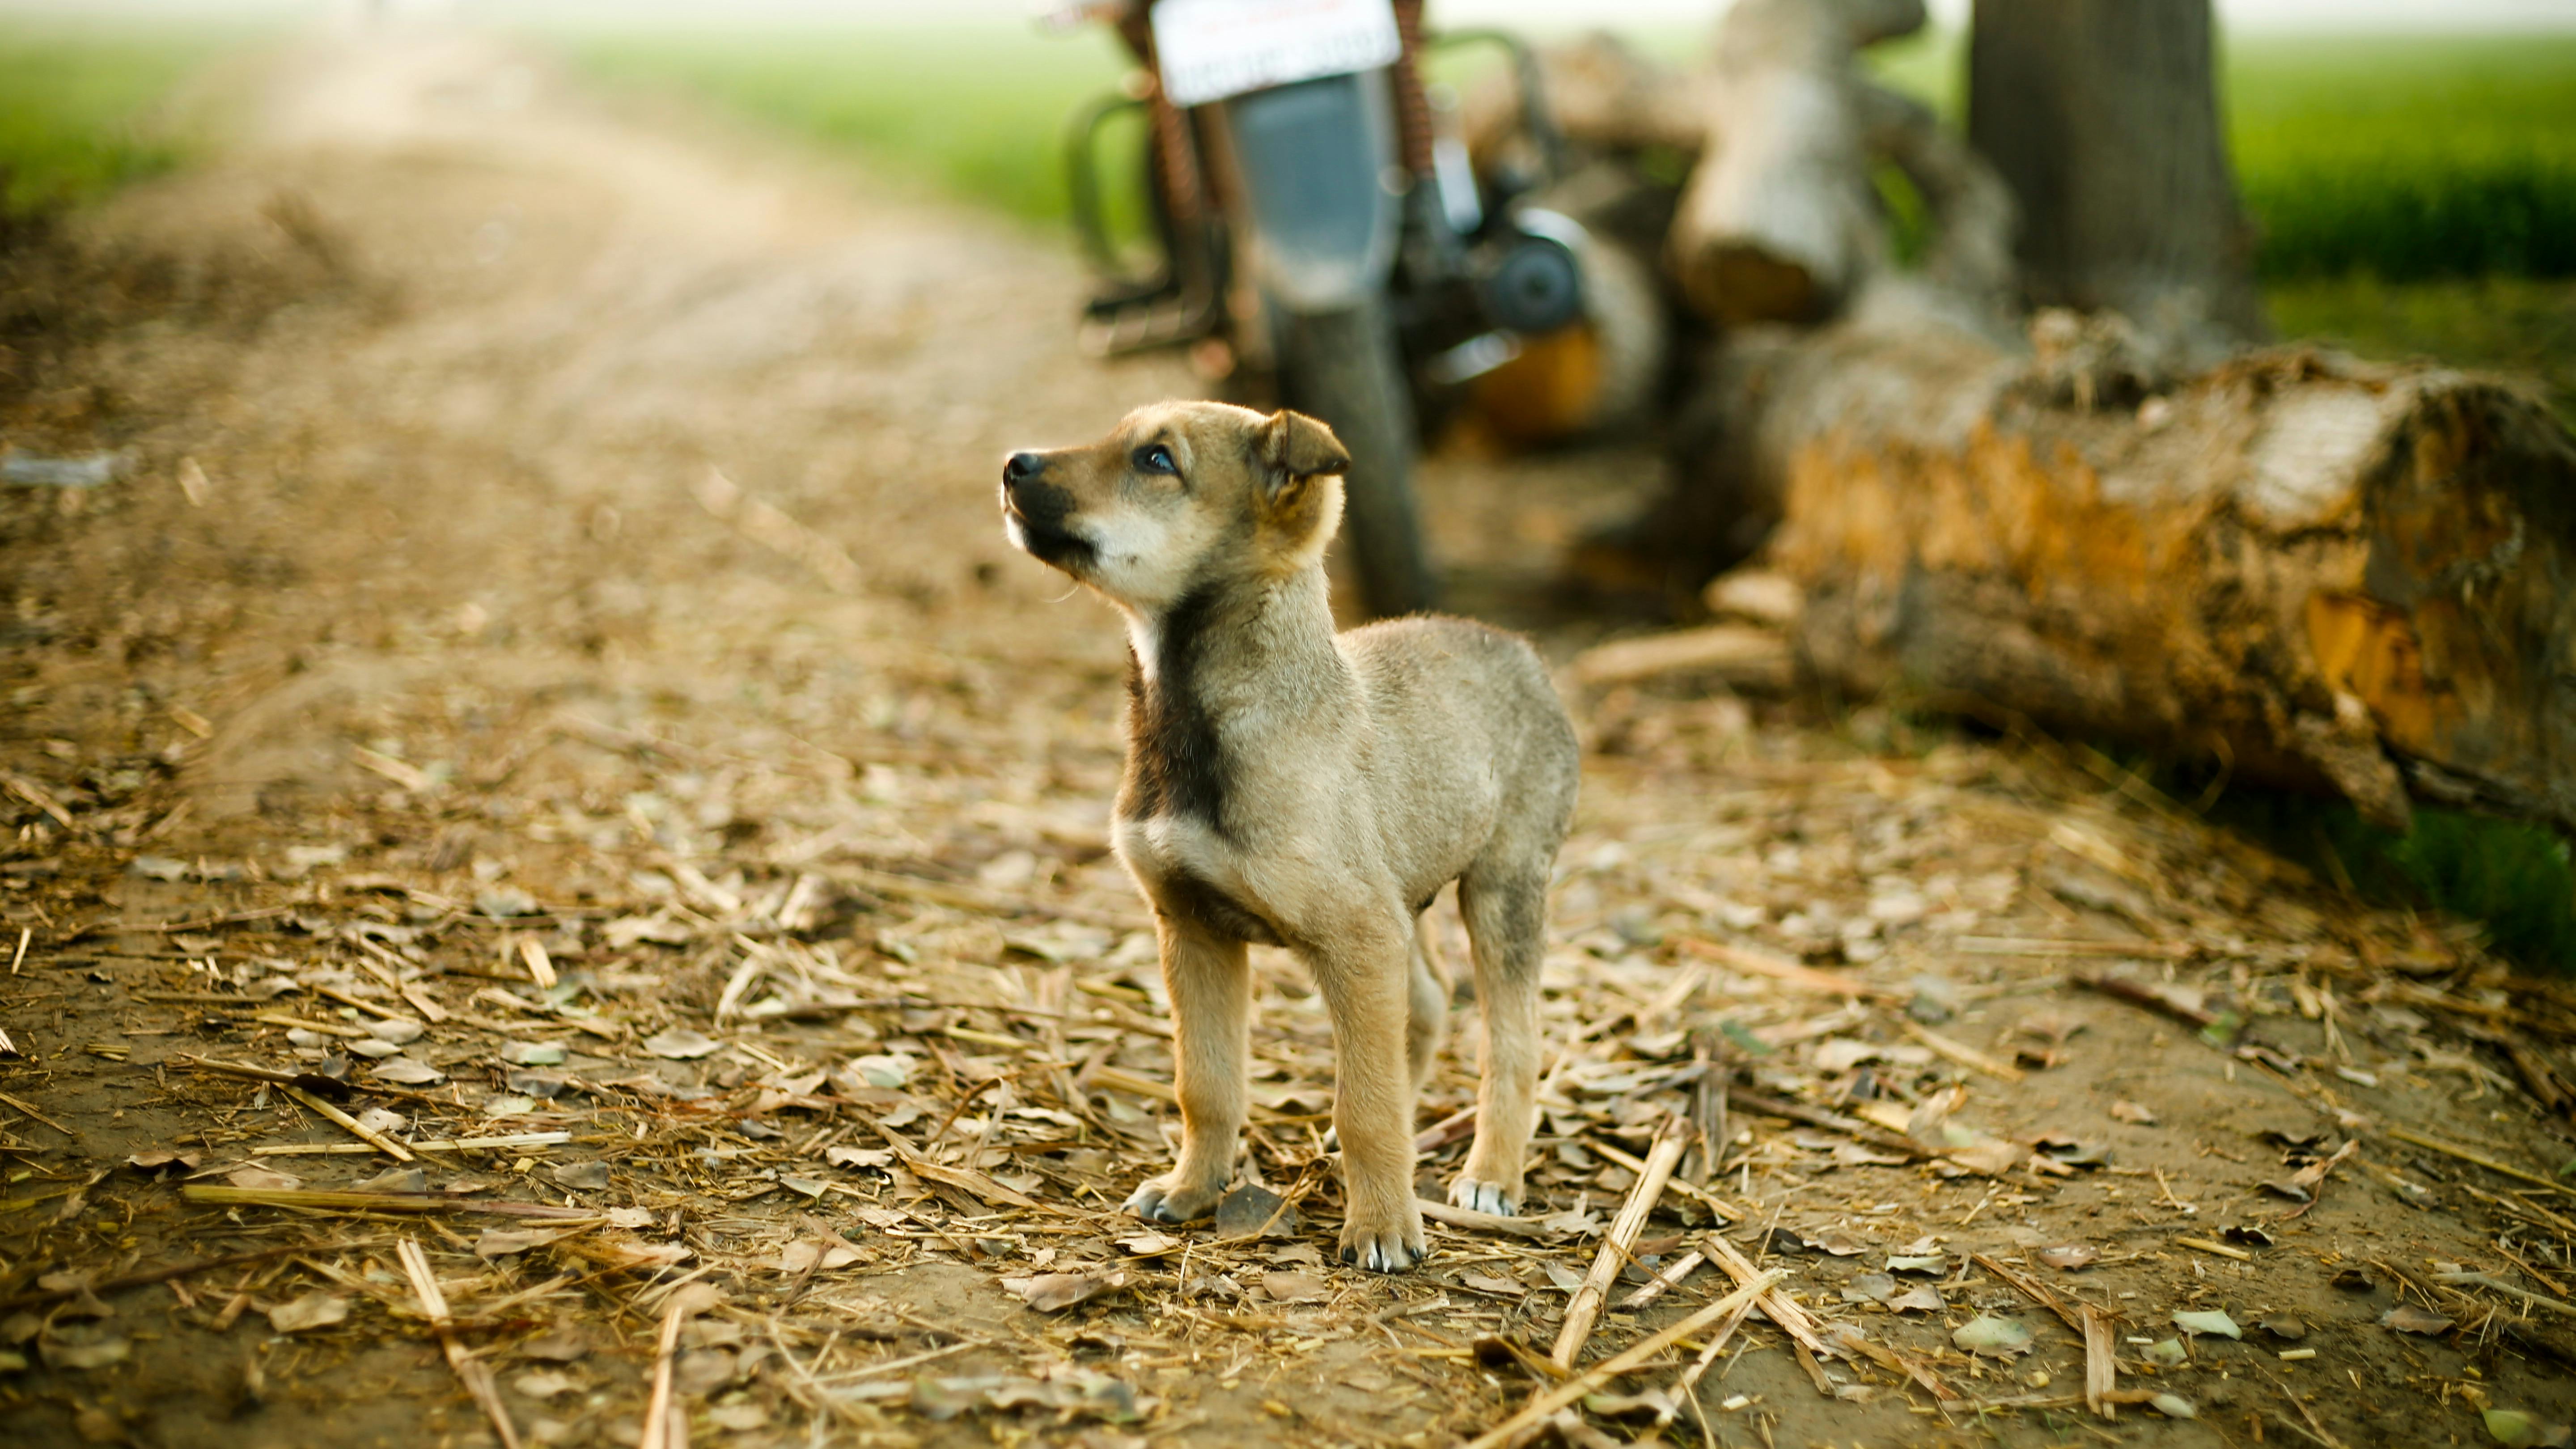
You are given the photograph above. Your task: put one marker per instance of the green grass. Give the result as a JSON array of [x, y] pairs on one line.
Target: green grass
[[2408, 158], [2514, 879], [2399, 157], [82, 107], [978, 109]]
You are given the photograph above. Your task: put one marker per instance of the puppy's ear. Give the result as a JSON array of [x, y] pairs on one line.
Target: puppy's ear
[[1291, 447]]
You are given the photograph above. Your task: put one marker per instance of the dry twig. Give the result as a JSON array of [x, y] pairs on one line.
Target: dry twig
[[363, 1133], [1663, 1281], [145, 1277], [1780, 969], [471, 1371], [39, 1116], [2407, 1134], [657, 1409], [1474, 1221], [1522, 1426], [1583, 1310]]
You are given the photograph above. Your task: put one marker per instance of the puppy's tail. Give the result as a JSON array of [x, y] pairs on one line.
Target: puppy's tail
[[1428, 962], [1427, 993]]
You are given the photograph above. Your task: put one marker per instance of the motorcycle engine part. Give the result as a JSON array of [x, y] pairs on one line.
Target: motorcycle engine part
[[1453, 172], [1529, 281], [1312, 158], [1472, 358], [1607, 371], [1456, 177], [1181, 299]]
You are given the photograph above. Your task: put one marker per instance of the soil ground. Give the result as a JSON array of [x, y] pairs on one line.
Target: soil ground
[[558, 543]]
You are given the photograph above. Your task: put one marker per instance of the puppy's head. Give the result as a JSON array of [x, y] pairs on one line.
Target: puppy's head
[[1180, 495]]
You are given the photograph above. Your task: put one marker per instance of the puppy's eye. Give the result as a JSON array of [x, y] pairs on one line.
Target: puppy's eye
[[1155, 458]]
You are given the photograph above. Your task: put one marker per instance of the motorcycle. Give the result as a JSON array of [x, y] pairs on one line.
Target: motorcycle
[[1318, 234]]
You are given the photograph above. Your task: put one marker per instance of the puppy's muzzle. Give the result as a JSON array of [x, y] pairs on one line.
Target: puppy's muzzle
[[1037, 514]]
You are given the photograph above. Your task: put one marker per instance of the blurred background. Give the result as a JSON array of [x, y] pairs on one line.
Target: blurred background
[[2411, 164], [2407, 167]]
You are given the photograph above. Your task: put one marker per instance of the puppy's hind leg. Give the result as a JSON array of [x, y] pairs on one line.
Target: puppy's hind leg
[[1428, 1001], [1210, 982], [1506, 911]]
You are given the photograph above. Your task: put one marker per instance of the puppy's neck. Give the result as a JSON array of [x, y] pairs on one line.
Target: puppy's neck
[[1228, 629], [1225, 663]]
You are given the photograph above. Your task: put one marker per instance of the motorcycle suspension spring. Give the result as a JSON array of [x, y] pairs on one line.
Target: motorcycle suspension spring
[[1412, 105]]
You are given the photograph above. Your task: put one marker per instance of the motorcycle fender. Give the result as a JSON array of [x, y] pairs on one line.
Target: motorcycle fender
[[1315, 160]]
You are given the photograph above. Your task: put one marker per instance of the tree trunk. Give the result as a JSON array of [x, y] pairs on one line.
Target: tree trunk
[[2310, 570], [2102, 116]]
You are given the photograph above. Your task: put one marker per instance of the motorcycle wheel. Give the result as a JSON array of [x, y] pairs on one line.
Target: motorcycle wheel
[[1343, 367]]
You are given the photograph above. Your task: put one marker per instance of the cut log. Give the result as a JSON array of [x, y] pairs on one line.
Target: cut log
[[1778, 222], [2310, 570]]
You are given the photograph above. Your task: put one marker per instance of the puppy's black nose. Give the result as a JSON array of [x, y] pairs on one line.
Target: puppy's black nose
[[1021, 468]]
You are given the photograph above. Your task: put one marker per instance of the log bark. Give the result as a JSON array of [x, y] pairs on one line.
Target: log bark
[[2102, 116], [2314, 571]]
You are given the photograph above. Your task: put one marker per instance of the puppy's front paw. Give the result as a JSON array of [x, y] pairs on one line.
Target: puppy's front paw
[[1165, 1199], [1384, 1242], [1485, 1197]]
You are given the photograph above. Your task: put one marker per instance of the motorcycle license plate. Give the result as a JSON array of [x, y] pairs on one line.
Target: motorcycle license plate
[[1211, 49]]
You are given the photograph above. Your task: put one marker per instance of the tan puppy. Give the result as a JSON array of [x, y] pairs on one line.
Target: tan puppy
[[1290, 787]]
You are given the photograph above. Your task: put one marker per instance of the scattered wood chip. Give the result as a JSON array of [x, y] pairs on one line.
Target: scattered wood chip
[[313, 1310], [2407, 1318], [1055, 1292], [2208, 1321], [1990, 1336]]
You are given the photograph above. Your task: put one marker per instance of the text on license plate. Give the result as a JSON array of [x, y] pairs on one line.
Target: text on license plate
[[1210, 49]]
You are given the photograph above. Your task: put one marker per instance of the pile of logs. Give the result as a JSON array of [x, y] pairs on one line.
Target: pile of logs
[[2146, 525]]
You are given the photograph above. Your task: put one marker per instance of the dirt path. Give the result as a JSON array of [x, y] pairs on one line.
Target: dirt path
[[553, 541]]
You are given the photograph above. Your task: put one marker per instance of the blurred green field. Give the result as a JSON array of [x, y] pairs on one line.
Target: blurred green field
[[2400, 157], [84, 108], [2450, 157], [2396, 158], [976, 108]]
